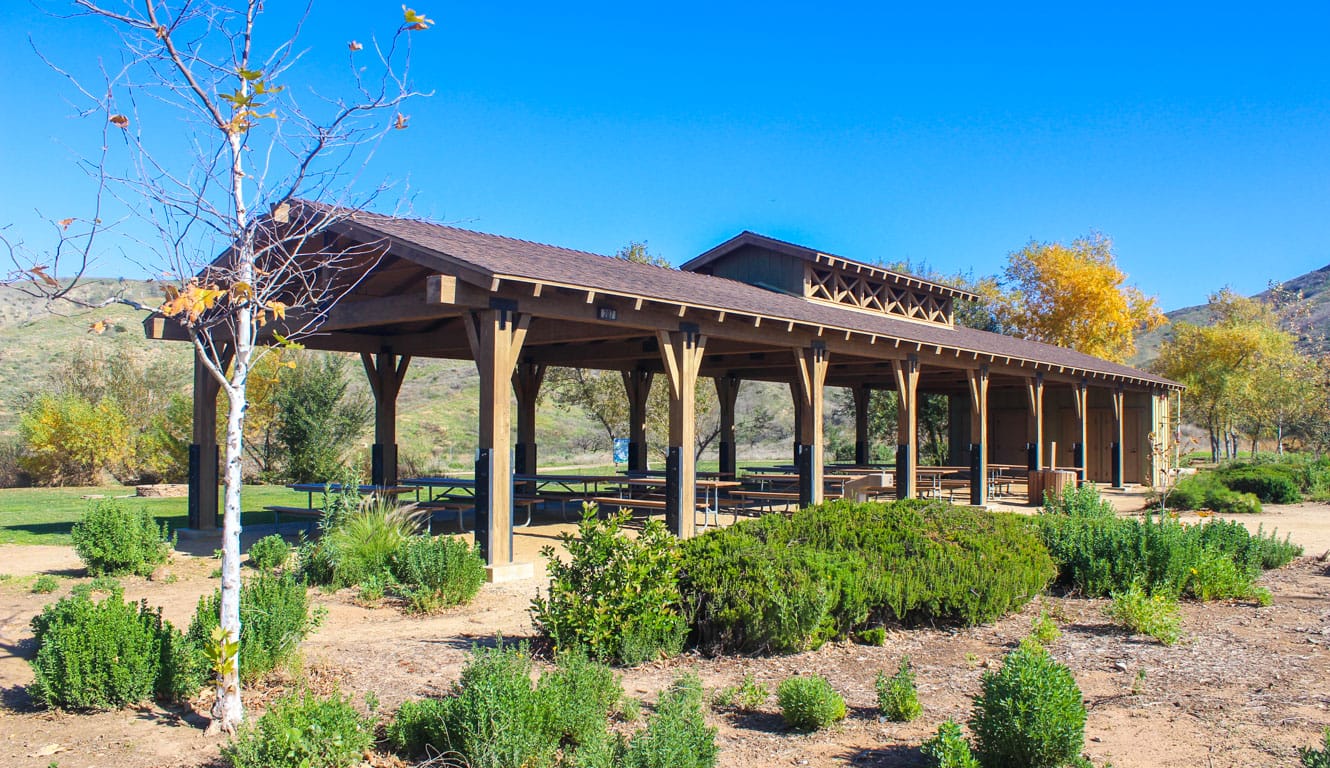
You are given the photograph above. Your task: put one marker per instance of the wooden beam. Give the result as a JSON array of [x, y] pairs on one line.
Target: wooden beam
[[907, 433], [979, 436], [727, 395], [1034, 424], [681, 351], [810, 379], [637, 385]]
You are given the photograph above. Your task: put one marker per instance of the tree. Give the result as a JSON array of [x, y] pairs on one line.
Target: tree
[[259, 177], [1075, 296], [318, 420]]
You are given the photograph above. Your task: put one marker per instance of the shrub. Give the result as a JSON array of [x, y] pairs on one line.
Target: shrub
[[617, 597], [274, 618], [876, 636], [1102, 556], [809, 703], [1044, 629], [114, 539], [71, 440], [1154, 615], [791, 583], [1083, 501], [748, 694], [360, 544], [576, 697], [1317, 758], [948, 748], [437, 572], [418, 726], [1206, 491], [1028, 713], [45, 584], [106, 654], [897, 697], [676, 734], [317, 418], [1271, 483], [269, 552], [303, 729]]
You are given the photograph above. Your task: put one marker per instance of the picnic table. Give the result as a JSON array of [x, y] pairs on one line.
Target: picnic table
[[312, 512], [709, 505]]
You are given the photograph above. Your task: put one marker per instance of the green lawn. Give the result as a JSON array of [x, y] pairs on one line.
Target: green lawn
[[44, 515]]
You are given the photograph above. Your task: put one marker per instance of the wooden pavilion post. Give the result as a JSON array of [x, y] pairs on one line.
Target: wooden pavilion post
[[496, 337], [1081, 394], [526, 387], [385, 372], [637, 383], [1034, 445], [1119, 415], [978, 436], [727, 393], [798, 425], [682, 351], [203, 451], [907, 431], [863, 449], [810, 381]]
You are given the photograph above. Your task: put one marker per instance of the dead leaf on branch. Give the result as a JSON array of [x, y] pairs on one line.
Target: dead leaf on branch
[[400, 122], [415, 21], [120, 121], [354, 46]]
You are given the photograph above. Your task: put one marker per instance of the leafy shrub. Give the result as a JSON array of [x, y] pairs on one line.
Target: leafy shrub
[[1083, 501], [1044, 629], [106, 654], [747, 695], [162, 452], [791, 583], [1102, 556], [1154, 615], [269, 552], [303, 729], [897, 697], [1028, 713], [1207, 491], [1317, 758], [437, 572], [114, 539], [876, 636], [1216, 577], [948, 748], [71, 440], [274, 618], [318, 418], [617, 597], [359, 544], [676, 734], [1271, 483], [45, 584], [809, 703]]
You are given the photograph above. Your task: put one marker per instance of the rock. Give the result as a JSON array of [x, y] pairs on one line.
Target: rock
[[162, 490]]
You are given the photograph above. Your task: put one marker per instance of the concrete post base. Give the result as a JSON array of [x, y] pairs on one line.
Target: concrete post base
[[499, 574]]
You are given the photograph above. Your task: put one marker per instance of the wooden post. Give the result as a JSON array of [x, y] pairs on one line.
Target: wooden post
[[798, 425], [907, 432], [203, 451], [637, 383], [682, 351], [526, 387], [863, 448], [727, 393], [1078, 450], [496, 337], [1119, 415], [1034, 425], [810, 381], [978, 436], [385, 372]]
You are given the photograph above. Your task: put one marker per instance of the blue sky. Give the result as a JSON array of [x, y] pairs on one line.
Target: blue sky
[[1196, 136]]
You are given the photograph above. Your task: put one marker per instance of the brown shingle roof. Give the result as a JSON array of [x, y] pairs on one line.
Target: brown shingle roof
[[506, 257]]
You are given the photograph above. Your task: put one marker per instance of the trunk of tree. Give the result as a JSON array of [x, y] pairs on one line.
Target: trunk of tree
[[228, 710], [1214, 444]]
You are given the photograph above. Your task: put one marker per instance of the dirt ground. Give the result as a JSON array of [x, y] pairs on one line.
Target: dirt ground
[[1247, 686]]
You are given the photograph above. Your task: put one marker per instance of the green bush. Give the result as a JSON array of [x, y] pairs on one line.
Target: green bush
[[676, 735], [617, 597], [359, 544], [1102, 556], [274, 618], [791, 583], [305, 730], [45, 584], [1207, 491], [897, 697], [269, 553], [437, 572], [809, 703], [1271, 483], [876, 636], [1317, 758], [948, 748], [114, 539], [107, 654], [1074, 501], [748, 694], [1145, 614], [318, 418], [1044, 629], [1028, 713]]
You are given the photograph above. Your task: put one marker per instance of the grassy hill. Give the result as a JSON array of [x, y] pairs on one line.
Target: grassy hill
[[1314, 287]]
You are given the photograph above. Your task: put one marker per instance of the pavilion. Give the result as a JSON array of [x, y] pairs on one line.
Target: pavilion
[[754, 308]]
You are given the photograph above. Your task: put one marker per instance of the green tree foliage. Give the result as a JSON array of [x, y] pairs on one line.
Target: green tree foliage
[[319, 420], [304, 729]]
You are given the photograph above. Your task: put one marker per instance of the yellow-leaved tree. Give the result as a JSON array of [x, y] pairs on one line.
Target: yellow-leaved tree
[[1075, 296]]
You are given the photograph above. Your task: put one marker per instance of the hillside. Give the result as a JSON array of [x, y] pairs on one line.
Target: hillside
[[1314, 287]]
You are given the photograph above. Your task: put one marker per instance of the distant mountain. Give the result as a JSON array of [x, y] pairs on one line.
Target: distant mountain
[[1314, 287]]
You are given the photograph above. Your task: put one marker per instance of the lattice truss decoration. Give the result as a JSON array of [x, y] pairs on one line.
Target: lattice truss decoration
[[839, 287]]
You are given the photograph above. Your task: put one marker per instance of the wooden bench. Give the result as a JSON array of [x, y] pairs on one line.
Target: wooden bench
[[464, 504], [313, 514], [767, 499]]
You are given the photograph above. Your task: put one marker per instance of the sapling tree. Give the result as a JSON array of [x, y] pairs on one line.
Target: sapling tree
[[208, 150]]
